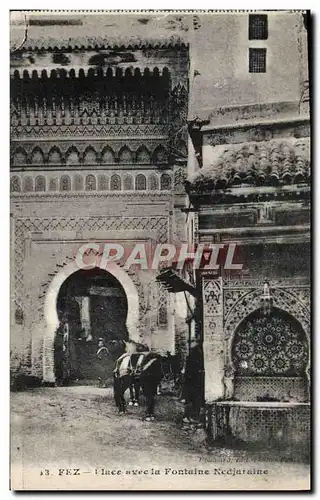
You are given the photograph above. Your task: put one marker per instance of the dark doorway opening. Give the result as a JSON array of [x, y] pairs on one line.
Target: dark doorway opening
[[91, 305]]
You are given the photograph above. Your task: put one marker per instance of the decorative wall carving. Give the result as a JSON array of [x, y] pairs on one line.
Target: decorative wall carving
[[72, 156], [141, 182], [146, 103], [53, 184], [153, 182], [40, 183], [91, 183], [159, 155], [23, 226], [15, 184], [75, 182], [65, 183], [163, 302], [115, 182], [90, 156], [125, 155], [180, 175], [27, 184], [37, 157], [82, 154], [143, 155], [212, 297], [54, 156], [213, 341], [246, 301], [165, 182], [78, 182], [103, 182], [242, 298], [101, 129], [270, 346], [20, 156], [108, 156], [128, 182]]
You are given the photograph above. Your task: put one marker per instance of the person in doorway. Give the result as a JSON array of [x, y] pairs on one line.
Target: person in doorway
[[63, 329], [193, 382], [59, 354], [103, 355]]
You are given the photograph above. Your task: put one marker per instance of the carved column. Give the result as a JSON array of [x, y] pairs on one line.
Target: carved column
[[213, 342]]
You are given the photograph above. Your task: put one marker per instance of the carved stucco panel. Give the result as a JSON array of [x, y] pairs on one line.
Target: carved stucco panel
[[213, 343], [295, 301]]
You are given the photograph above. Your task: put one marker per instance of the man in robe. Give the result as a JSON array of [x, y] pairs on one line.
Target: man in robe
[[193, 382], [103, 355]]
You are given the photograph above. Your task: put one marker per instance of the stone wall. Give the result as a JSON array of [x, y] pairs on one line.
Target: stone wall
[[265, 426], [220, 55], [47, 231]]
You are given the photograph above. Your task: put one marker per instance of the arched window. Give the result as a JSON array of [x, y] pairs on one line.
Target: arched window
[[165, 182], [72, 157], [27, 184], [53, 184], [115, 182], [153, 182], [108, 156], [143, 155], [20, 157], [128, 183], [141, 182], [37, 157], [15, 184], [125, 155], [91, 183], [90, 156], [103, 184], [54, 156], [65, 183], [160, 155], [78, 182], [40, 183]]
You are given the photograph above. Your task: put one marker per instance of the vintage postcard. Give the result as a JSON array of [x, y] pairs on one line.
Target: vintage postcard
[[160, 250]]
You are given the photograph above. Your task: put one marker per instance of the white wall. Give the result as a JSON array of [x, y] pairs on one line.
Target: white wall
[[220, 52]]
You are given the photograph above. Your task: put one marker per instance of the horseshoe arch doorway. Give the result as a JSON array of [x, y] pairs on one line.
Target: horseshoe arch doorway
[[91, 305]]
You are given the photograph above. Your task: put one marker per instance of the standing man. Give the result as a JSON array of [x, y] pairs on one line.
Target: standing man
[[103, 355], [194, 380]]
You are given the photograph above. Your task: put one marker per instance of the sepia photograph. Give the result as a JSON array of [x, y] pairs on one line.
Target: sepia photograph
[[160, 294]]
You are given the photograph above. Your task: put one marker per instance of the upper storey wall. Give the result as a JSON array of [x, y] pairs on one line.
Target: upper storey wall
[[220, 58]]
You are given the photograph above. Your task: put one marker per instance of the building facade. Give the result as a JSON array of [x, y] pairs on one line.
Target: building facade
[[249, 185], [198, 132], [98, 153]]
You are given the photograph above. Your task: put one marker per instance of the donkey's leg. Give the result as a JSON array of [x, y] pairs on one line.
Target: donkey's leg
[[149, 388], [136, 391], [151, 404], [117, 391], [120, 386], [132, 396]]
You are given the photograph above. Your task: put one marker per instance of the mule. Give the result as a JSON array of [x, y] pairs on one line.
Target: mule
[[137, 370]]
